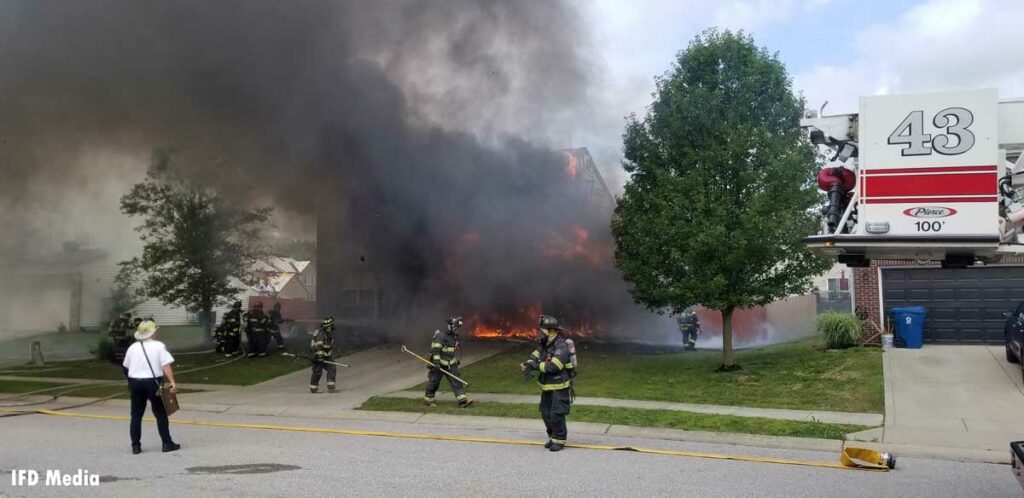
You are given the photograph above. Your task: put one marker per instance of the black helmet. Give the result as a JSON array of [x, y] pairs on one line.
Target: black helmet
[[126, 314], [259, 304], [548, 322], [455, 322], [236, 304], [327, 322]]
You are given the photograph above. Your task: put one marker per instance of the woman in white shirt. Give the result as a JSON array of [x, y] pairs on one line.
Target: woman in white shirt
[[147, 364]]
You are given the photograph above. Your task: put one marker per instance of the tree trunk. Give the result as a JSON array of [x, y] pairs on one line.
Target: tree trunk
[[728, 358], [208, 320]]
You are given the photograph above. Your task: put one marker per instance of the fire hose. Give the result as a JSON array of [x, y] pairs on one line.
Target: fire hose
[[432, 365], [850, 459]]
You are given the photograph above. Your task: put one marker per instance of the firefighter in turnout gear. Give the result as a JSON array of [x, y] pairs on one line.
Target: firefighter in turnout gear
[[689, 326], [257, 331], [229, 332], [555, 361], [442, 355], [276, 320], [322, 350], [120, 336]]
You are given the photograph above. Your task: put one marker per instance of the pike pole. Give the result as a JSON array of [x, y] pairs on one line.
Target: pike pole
[[321, 361], [428, 362]]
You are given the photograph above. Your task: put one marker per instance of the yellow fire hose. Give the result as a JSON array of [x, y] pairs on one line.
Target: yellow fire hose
[[850, 459]]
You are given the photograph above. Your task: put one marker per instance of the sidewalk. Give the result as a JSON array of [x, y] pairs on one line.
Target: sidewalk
[[869, 419], [955, 397]]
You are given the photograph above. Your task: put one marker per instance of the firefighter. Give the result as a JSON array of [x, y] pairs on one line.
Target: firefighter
[[275, 324], [555, 361], [136, 322], [322, 349], [689, 326], [120, 336], [442, 355], [256, 330], [229, 332]]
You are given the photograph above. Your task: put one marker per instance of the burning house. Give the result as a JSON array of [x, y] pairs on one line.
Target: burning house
[[508, 250]]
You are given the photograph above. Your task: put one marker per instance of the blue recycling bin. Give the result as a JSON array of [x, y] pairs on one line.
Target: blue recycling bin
[[909, 324]]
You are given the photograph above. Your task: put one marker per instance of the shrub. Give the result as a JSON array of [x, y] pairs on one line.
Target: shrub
[[839, 330], [104, 349]]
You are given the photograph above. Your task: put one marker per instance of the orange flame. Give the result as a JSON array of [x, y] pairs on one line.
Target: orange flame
[[571, 166], [520, 325], [579, 246]]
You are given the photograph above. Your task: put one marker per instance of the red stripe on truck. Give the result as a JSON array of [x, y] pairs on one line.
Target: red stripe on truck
[[926, 200], [911, 185]]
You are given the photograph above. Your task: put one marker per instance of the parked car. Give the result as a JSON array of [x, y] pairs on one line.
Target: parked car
[[1013, 330]]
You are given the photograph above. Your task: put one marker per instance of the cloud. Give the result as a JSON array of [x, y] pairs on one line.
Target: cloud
[[937, 45]]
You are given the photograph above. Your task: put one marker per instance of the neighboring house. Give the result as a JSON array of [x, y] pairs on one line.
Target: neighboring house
[[73, 288], [965, 305], [833, 289], [286, 278]]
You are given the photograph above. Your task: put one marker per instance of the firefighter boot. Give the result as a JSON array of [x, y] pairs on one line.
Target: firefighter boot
[[464, 402], [556, 447], [429, 402], [548, 444], [331, 387], [314, 389]]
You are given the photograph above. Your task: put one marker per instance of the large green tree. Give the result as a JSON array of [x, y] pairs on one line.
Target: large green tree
[[197, 246], [720, 193]]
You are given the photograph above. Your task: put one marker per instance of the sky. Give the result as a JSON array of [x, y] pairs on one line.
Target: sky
[[835, 50]]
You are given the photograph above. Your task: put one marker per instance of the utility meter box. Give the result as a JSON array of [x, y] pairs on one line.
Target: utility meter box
[[929, 165]]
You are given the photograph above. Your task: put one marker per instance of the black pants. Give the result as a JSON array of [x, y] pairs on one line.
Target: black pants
[[690, 337], [276, 332], [143, 390], [554, 406], [434, 381], [231, 343], [319, 368], [258, 341]]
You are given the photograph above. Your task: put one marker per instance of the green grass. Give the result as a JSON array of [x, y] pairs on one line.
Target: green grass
[[24, 386], [241, 372], [75, 344], [82, 391], [631, 416], [799, 375]]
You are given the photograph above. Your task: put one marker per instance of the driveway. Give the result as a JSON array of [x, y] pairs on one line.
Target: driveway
[[953, 396]]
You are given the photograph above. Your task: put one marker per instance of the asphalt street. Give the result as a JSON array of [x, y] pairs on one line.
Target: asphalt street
[[221, 462]]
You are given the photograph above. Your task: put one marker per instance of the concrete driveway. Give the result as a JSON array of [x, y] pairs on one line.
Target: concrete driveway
[[953, 396]]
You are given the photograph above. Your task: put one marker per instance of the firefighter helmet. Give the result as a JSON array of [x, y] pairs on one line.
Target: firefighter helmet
[[327, 322], [455, 322], [259, 304], [236, 305], [548, 322]]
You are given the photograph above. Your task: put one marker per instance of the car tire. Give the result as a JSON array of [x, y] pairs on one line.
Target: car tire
[[1010, 357]]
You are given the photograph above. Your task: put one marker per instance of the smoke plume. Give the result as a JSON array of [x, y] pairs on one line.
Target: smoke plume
[[422, 137]]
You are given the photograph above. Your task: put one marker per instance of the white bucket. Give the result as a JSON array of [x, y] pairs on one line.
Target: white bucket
[[886, 341]]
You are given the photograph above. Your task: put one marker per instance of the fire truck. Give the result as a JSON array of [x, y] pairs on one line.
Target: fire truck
[[925, 177]]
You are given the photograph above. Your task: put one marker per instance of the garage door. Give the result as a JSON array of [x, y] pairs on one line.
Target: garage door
[[964, 305]]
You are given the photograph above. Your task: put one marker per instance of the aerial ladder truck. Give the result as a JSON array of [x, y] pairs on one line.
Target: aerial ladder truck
[[935, 177]]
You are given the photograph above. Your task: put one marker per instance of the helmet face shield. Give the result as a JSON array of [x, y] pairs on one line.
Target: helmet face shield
[[455, 322]]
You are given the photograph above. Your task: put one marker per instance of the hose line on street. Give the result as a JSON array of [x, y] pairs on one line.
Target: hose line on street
[[865, 459]]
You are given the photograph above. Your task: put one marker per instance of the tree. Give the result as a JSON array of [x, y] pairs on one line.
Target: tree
[[197, 246], [720, 194], [123, 296]]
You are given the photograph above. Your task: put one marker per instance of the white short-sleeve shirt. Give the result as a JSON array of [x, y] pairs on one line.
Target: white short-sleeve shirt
[[135, 360]]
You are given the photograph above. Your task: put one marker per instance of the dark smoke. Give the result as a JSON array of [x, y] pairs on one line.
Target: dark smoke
[[421, 135]]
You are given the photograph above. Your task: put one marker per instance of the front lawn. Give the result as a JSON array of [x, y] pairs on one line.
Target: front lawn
[[799, 375], [630, 416], [241, 372]]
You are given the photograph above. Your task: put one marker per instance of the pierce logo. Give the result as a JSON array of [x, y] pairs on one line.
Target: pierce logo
[[929, 212]]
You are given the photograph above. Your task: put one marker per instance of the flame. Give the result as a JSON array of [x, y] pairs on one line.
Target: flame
[[571, 166], [521, 324], [578, 247]]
